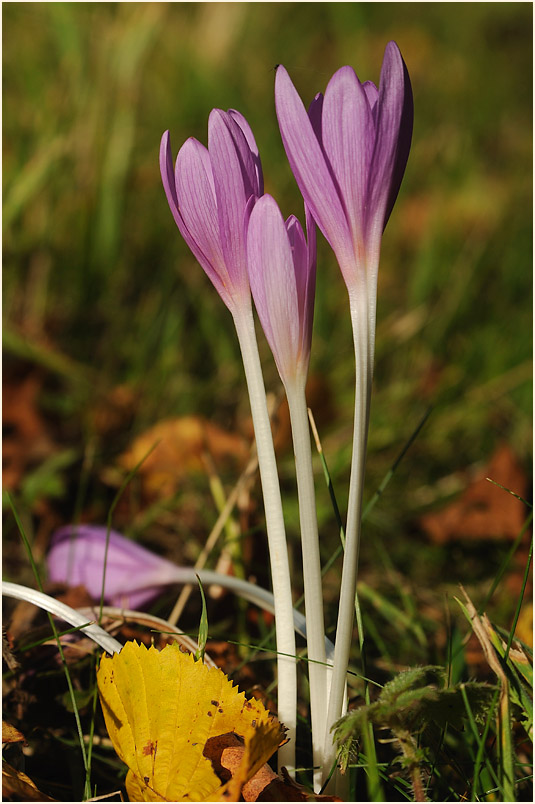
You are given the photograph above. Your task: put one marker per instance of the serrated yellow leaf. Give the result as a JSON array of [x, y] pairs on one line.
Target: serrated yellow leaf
[[160, 709]]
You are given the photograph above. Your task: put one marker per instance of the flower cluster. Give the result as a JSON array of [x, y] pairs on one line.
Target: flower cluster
[[348, 154]]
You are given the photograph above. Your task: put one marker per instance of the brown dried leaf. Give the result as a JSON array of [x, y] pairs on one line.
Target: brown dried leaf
[[181, 444], [484, 511], [16, 786], [10, 734], [26, 440], [230, 757]]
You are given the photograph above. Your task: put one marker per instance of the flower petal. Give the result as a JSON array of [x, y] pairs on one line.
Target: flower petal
[[315, 112], [348, 139], [311, 283], [309, 166], [168, 174], [199, 224], [234, 175], [258, 183], [273, 283], [304, 260], [134, 575], [372, 93], [393, 138]]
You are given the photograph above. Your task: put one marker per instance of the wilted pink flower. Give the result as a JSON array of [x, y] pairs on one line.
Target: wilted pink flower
[[282, 275], [208, 193], [134, 575], [348, 155]]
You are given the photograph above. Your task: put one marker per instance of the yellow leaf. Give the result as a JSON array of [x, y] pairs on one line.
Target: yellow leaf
[[160, 709]]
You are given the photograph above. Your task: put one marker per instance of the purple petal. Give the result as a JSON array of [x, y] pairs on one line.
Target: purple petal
[[348, 140], [315, 112], [168, 174], [372, 93], [273, 283], [393, 137], [198, 222], [304, 259], [311, 282], [233, 170], [258, 183], [310, 168], [134, 575]]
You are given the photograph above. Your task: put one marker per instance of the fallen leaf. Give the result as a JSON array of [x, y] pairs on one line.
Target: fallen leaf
[[160, 709], [114, 412], [484, 511], [25, 438], [10, 734], [180, 445], [16, 786], [228, 754]]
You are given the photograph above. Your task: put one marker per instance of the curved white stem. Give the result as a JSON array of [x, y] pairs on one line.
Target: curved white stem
[[249, 591], [62, 610], [278, 552]]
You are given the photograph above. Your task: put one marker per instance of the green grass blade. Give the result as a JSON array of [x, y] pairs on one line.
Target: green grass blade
[[505, 563], [203, 626]]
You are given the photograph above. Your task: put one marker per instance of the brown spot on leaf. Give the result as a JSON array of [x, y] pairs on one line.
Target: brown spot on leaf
[[149, 749]]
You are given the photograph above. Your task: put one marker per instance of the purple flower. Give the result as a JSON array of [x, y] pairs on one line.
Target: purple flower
[[282, 275], [134, 575], [208, 193], [348, 155]]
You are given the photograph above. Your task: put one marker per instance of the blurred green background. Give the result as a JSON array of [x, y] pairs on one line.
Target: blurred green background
[[100, 290]]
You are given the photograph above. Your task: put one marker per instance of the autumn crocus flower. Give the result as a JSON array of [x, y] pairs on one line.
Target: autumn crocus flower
[[348, 156], [208, 191], [282, 273], [133, 574], [211, 193]]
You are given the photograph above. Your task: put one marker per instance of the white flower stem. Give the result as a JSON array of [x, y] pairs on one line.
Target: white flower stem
[[63, 611], [317, 670], [362, 317], [278, 552]]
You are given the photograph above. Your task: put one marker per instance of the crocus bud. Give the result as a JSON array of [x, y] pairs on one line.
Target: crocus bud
[[208, 192], [282, 275], [348, 155], [134, 575]]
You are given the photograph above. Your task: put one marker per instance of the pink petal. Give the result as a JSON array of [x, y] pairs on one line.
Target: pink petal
[[233, 169], [304, 259], [134, 574], [168, 174], [348, 140], [258, 183], [273, 283], [393, 138], [310, 168], [199, 224]]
